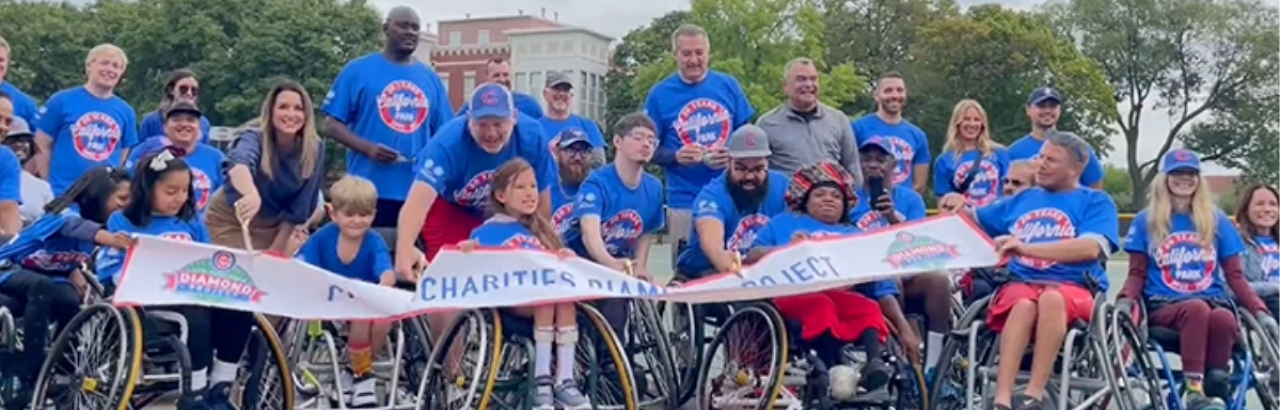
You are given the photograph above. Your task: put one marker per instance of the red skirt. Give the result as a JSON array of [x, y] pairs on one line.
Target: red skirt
[[446, 224], [844, 313]]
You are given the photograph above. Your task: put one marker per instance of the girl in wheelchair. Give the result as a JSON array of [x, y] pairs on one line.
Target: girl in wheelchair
[[820, 197], [515, 224], [163, 206], [43, 283], [1181, 251]]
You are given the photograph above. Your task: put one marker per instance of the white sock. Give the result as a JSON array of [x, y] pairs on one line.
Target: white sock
[[566, 353], [199, 379], [223, 372], [543, 338], [933, 349]]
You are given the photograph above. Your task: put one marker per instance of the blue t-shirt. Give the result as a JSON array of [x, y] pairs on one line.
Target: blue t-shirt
[[528, 106], [1028, 148], [205, 163], [1180, 266], [910, 146], [705, 114], [500, 233], [553, 128], [10, 176], [371, 261], [153, 125], [87, 131], [625, 214], [460, 171], [562, 199], [950, 171], [907, 203], [740, 226], [55, 249], [24, 106], [1040, 216], [111, 261], [781, 227], [399, 106], [1270, 257]]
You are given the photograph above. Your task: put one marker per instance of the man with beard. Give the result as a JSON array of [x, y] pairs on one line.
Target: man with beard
[[1044, 107], [805, 131], [498, 71], [573, 161], [384, 107], [733, 207], [910, 146], [35, 191], [560, 117]]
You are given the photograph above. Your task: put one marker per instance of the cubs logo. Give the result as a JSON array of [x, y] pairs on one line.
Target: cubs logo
[[217, 279], [1270, 261], [621, 230], [560, 218], [919, 252], [96, 136], [201, 183], [873, 219], [983, 190], [1186, 265], [475, 193], [522, 241], [554, 146], [904, 152], [704, 122], [745, 233], [1042, 225], [403, 106]]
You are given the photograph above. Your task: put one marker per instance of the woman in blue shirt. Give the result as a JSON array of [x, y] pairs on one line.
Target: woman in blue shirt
[[1181, 251], [971, 163], [515, 224], [1256, 219], [182, 86]]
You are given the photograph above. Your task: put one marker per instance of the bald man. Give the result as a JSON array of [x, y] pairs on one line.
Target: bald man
[[1021, 175]]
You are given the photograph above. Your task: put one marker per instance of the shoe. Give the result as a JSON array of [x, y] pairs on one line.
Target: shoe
[[1025, 402], [364, 392], [544, 397], [1217, 383], [342, 388], [875, 374], [218, 397], [193, 401], [570, 398], [1198, 401]]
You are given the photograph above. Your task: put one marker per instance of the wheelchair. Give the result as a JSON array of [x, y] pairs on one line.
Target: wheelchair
[[1089, 371], [142, 357], [317, 354]]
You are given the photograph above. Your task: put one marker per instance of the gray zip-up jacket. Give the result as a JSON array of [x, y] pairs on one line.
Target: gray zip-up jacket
[[1251, 258], [799, 140]]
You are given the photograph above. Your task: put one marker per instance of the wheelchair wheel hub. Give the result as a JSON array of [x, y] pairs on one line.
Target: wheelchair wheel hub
[[89, 384]]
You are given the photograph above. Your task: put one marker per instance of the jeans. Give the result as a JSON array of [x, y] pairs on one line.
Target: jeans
[[39, 299]]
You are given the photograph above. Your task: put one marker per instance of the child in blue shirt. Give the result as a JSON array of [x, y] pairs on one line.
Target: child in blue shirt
[[516, 224], [348, 248]]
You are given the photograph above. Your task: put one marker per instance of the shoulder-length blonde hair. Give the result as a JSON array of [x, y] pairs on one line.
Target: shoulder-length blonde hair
[[1160, 211], [310, 138], [953, 144]]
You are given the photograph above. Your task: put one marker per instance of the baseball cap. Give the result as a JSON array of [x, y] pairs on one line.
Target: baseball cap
[[1043, 94], [878, 142], [491, 100], [749, 141], [1180, 159], [182, 107], [556, 79], [19, 127], [572, 136]]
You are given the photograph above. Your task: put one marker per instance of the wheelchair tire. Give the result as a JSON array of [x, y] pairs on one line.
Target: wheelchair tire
[[127, 366], [590, 362], [267, 361], [476, 385], [778, 339], [416, 353], [1265, 355], [912, 392], [9, 366], [648, 339], [1116, 337], [687, 336], [949, 390]]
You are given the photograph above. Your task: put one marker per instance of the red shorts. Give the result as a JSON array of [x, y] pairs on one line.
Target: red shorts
[[846, 314], [446, 224], [1078, 299]]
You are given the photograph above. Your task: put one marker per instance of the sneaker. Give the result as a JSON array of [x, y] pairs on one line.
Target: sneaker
[[544, 396], [218, 397], [364, 392], [875, 374], [342, 388], [1198, 401], [1025, 402], [193, 401], [570, 398]]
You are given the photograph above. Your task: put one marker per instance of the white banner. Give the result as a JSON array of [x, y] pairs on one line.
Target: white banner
[[163, 272]]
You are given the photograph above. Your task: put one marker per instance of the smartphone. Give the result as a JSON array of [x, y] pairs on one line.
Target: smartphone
[[875, 188]]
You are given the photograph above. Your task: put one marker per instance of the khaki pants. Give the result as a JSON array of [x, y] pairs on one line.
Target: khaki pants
[[225, 229], [679, 225]]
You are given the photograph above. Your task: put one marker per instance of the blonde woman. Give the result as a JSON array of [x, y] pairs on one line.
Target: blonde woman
[[275, 175], [971, 163], [1183, 255]]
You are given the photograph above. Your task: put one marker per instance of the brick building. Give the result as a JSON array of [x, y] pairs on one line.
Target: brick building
[[464, 46]]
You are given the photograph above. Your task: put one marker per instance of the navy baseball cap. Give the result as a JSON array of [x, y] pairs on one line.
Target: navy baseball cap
[[572, 136], [491, 100], [1043, 94], [1179, 160], [878, 142], [182, 107]]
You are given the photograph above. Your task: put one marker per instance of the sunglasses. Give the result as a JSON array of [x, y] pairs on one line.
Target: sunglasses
[[1014, 182], [187, 90]]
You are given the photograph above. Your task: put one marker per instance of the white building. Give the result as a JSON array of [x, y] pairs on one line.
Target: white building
[[426, 44], [578, 52]]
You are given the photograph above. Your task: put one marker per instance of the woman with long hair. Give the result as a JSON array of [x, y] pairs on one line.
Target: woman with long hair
[[1183, 255], [1256, 219], [971, 163], [182, 85], [275, 175]]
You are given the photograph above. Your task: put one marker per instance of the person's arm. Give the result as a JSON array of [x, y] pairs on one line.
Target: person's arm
[[129, 139], [338, 131], [710, 233], [889, 305], [382, 265], [341, 108], [766, 241], [849, 148], [643, 244], [1234, 272], [302, 207], [1137, 279], [594, 242], [10, 193], [664, 155], [433, 176]]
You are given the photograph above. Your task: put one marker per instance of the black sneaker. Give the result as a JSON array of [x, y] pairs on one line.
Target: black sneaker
[[1025, 402], [1198, 401], [218, 397], [193, 401], [875, 374]]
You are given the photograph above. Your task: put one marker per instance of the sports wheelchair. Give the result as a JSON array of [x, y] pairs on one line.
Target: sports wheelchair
[[317, 353], [142, 357]]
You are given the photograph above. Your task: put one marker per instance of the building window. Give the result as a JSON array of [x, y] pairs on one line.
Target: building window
[[455, 38], [522, 82], [535, 79], [468, 84], [444, 79], [535, 48], [553, 48], [482, 37]]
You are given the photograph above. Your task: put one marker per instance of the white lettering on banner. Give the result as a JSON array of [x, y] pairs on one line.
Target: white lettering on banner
[[486, 278]]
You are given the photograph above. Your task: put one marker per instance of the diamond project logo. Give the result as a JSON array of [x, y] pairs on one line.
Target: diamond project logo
[[215, 280], [912, 251]]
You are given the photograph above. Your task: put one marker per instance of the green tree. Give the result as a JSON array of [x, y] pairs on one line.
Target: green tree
[[1115, 182], [997, 56], [1190, 58], [642, 46]]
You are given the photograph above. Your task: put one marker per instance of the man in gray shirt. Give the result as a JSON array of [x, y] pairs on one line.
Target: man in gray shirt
[[803, 130]]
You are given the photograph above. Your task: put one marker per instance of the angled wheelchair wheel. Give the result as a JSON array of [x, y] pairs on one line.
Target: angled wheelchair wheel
[[1124, 363], [687, 336], [649, 350], [957, 384], [10, 365], [603, 366], [265, 379], [95, 362], [743, 365], [1266, 362], [908, 386], [411, 358], [464, 365]]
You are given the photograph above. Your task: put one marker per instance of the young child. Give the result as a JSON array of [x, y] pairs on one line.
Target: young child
[[44, 285], [347, 247], [513, 196], [163, 206]]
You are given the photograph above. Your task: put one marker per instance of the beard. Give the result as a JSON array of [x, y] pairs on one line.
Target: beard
[[572, 173], [747, 200]]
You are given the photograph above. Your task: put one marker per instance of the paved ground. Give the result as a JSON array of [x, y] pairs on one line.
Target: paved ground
[[661, 258]]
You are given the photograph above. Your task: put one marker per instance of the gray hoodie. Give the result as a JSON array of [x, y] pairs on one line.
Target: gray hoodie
[[1251, 258]]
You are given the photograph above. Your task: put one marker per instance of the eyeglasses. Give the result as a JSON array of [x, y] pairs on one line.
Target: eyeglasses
[[575, 153], [190, 90]]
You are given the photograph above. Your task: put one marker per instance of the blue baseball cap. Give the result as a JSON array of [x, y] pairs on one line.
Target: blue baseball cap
[[1043, 94], [491, 100], [572, 136], [1180, 159], [878, 142]]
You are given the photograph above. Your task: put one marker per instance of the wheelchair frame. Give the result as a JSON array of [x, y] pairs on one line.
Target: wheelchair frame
[[331, 335]]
